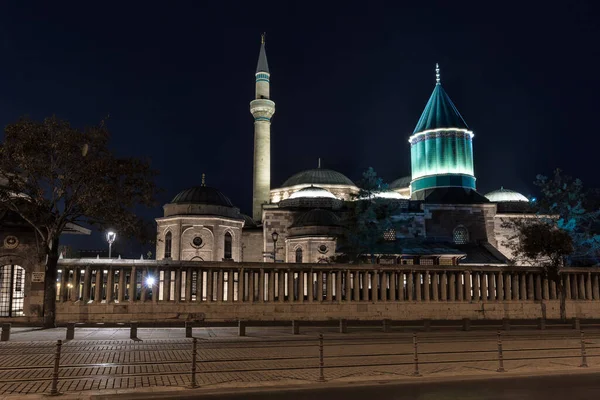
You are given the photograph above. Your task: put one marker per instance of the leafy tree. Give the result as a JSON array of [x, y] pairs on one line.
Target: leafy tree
[[562, 233], [57, 175], [368, 218]]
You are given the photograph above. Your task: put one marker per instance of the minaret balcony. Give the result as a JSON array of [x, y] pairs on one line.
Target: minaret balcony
[[262, 108]]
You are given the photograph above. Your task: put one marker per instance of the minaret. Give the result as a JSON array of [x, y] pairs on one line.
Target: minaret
[[441, 146], [262, 110]]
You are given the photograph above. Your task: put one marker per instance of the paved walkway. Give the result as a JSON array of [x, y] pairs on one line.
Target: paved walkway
[[107, 360]]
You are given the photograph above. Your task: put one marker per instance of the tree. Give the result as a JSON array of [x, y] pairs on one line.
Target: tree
[[562, 233], [57, 175], [368, 218]]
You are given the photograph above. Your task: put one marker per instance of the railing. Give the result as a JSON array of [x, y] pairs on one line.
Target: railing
[[136, 281]]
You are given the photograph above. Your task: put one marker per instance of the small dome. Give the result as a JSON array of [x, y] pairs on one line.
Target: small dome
[[202, 195], [318, 176], [505, 195], [400, 183], [312, 192], [248, 221], [316, 217]]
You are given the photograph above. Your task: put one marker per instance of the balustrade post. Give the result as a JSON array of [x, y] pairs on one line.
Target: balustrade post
[[375, 286], [426, 285], [329, 276], [87, 284], [588, 287], [401, 295], [523, 286], [348, 294], [271, 295], [133, 284], [545, 289], [167, 284], [452, 286], [435, 277], [460, 287], [500, 286], [178, 285], [574, 288], [301, 285], [144, 285], [484, 286], [492, 286], [444, 296], [261, 285], [64, 279], [508, 286], [110, 284], [188, 284], [365, 283], [553, 290], [596, 287], [76, 279], [567, 286], [231, 285], [209, 285], [291, 286], [220, 285], [251, 286], [121, 291], [582, 294], [515, 286], [538, 287], [338, 286], [311, 286], [468, 286], [319, 291], [410, 287], [155, 286], [392, 285], [99, 284], [476, 287], [418, 286], [530, 287]]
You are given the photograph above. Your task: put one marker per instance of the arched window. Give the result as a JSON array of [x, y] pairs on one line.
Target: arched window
[[227, 246], [461, 235], [299, 255], [12, 290], [168, 242]]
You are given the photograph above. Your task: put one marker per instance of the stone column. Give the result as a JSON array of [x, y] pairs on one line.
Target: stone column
[[178, 285], [538, 287], [348, 293], [87, 284], [272, 274], [231, 285], [220, 285], [545, 289], [567, 286], [515, 286], [76, 280], [144, 289], [393, 286], [291, 285], [401, 286], [444, 294], [582, 293], [435, 277], [251, 285], [329, 276], [261, 285], [508, 289], [410, 287], [452, 286], [375, 287], [468, 286], [281, 286], [301, 286], [530, 287], [155, 287], [553, 290], [484, 286], [99, 283], [311, 286], [418, 285], [365, 288], [338, 286], [492, 286], [426, 286], [189, 273], [200, 285], [574, 288], [500, 286], [523, 286], [596, 287], [120, 292], [167, 285], [460, 290], [476, 288], [62, 293], [209, 285]]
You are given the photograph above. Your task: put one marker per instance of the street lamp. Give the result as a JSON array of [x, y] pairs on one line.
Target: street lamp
[[110, 238], [275, 236]]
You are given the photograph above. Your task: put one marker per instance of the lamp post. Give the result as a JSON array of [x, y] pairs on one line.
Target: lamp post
[[275, 236], [110, 238]]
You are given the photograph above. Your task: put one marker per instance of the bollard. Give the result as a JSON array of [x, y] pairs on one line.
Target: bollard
[[343, 326], [5, 336], [188, 329], [576, 324], [466, 324], [427, 325], [296, 327], [506, 324], [321, 361], [541, 324], [500, 355], [416, 355], [193, 383], [583, 354], [70, 331], [387, 325], [133, 330], [54, 388], [241, 328]]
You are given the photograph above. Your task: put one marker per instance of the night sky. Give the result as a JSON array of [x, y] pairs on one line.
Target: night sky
[[349, 79]]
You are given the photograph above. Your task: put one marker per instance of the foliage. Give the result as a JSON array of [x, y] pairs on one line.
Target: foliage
[[54, 175], [368, 218]]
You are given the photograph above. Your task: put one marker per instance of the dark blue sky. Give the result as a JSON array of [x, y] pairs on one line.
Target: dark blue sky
[[349, 80]]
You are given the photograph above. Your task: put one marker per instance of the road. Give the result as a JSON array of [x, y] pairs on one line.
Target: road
[[572, 387]]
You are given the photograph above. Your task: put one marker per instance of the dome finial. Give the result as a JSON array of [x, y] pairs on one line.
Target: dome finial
[[437, 74], [203, 179]]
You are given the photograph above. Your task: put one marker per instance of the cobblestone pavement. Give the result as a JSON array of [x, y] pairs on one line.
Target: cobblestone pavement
[[100, 359]]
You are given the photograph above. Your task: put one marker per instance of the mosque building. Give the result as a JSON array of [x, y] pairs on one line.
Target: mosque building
[[443, 220]]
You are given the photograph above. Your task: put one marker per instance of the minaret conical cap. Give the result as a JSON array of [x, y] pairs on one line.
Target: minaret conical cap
[[263, 65]]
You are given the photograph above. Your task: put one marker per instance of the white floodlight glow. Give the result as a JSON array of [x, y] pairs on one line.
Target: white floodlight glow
[[150, 281]]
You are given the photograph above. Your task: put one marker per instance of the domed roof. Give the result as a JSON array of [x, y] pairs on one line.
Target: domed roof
[[248, 221], [316, 217], [505, 195], [312, 192], [202, 195], [318, 176], [400, 183]]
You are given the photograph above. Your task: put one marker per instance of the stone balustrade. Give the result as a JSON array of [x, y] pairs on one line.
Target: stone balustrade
[[115, 290]]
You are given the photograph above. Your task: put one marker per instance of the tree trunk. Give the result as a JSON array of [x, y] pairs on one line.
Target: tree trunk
[[50, 287]]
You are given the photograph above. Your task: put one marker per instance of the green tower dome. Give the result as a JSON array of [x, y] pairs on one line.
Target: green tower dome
[[441, 147]]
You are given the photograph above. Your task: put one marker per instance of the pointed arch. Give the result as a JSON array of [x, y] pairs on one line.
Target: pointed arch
[[168, 244], [227, 245], [299, 254]]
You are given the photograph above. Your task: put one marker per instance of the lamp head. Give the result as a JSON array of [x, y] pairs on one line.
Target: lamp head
[[275, 236], [111, 236]]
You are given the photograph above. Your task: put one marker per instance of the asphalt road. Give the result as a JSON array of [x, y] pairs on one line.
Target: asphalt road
[[571, 387]]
